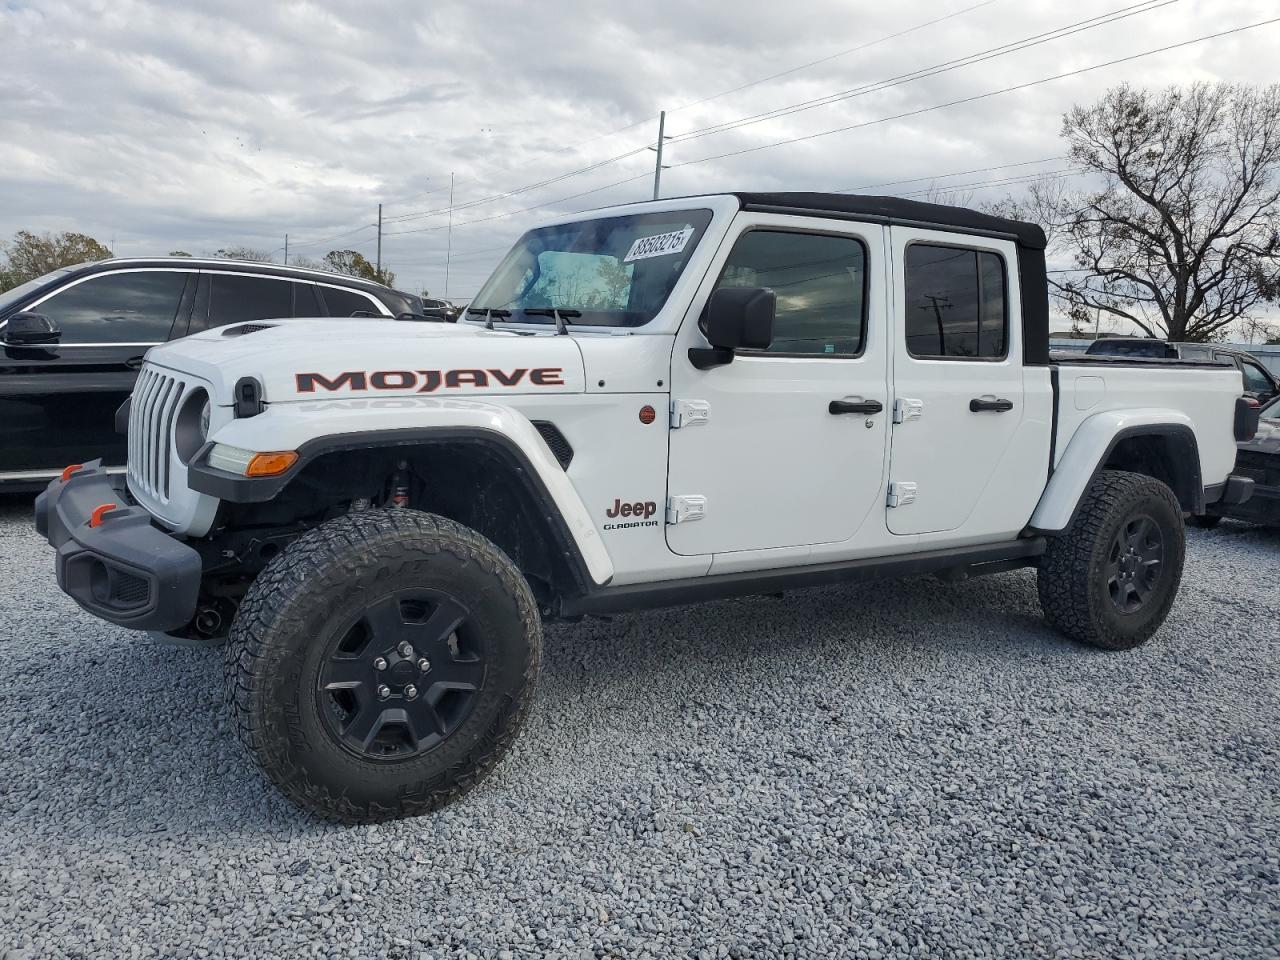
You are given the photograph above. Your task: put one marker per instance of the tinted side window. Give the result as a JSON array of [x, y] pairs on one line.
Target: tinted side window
[[1255, 381], [955, 303], [306, 302], [236, 299], [132, 307], [820, 283], [343, 303]]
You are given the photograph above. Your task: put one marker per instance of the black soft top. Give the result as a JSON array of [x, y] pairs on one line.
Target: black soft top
[[912, 213], [895, 210]]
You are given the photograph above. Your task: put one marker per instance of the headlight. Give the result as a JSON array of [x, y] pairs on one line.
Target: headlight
[[249, 463], [191, 429]]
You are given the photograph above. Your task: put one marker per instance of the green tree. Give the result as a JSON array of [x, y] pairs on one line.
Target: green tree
[[29, 255], [354, 264]]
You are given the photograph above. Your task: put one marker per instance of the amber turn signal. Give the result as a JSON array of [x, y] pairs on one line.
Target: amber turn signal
[[270, 464]]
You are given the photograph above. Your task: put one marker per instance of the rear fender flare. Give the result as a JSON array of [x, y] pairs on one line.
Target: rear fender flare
[[1093, 443]]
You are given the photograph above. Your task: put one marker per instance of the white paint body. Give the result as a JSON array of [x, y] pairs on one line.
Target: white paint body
[[785, 483]]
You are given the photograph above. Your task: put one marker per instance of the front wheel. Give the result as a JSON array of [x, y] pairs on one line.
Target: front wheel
[[383, 664], [1111, 577]]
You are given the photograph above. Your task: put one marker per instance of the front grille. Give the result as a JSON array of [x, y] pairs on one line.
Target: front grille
[[156, 398]]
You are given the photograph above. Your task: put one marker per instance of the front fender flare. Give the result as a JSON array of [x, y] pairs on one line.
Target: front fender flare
[[324, 427], [1088, 450]]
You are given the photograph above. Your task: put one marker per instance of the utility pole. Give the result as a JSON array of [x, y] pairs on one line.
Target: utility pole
[[657, 167], [378, 266], [286, 249], [448, 256]]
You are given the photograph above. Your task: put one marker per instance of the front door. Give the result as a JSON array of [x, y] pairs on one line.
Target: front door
[[958, 381], [774, 462]]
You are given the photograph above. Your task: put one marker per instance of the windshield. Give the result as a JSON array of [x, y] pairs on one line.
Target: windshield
[[10, 297], [616, 271]]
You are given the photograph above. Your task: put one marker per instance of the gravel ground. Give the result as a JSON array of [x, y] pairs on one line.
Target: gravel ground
[[902, 769]]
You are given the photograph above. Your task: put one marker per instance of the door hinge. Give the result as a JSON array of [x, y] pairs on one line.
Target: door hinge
[[905, 409], [900, 494], [689, 413], [691, 506]]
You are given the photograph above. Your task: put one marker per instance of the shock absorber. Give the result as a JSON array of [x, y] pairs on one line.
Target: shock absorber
[[400, 486]]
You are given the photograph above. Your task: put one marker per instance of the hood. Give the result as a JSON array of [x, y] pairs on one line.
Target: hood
[[318, 359]]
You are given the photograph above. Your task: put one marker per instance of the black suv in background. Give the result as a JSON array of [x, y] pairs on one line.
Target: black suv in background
[[73, 341], [1259, 382]]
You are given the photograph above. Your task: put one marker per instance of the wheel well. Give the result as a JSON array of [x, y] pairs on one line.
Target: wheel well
[[1170, 456], [485, 486]]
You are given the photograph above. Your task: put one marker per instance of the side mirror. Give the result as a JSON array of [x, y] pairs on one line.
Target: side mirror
[[736, 318], [31, 330]]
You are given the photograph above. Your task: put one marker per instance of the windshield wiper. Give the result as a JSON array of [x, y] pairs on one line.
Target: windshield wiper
[[489, 314], [560, 316]]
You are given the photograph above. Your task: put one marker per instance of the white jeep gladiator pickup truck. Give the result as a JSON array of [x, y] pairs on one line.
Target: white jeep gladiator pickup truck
[[645, 405]]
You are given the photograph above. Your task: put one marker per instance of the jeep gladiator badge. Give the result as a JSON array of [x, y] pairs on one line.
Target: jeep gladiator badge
[[643, 509]]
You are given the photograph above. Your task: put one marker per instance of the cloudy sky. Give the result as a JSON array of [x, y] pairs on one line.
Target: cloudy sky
[[169, 125]]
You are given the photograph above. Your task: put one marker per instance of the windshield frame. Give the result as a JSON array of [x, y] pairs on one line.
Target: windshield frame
[[705, 215]]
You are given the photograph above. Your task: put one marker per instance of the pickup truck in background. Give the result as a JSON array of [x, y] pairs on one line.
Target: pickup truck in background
[[1260, 384], [653, 404]]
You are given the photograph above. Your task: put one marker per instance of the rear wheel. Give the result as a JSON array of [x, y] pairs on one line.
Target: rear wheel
[[383, 664], [1111, 578]]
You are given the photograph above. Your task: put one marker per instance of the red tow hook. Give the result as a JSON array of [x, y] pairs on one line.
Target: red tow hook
[[99, 512], [69, 469]]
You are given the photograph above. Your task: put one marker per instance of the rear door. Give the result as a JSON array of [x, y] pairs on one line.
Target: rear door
[[958, 382], [58, 402]]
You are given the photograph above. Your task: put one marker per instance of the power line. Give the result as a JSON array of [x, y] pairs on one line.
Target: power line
[[980, 96], [835, 56], [519, 190], [338, 236], [795, 69], [941, 176], [595, 166], [1035, 40]]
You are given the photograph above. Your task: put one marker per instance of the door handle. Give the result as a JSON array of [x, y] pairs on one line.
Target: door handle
[[981, 404], [134, 363], [855, 406]]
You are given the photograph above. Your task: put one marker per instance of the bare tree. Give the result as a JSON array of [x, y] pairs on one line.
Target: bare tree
[[1182, 239]]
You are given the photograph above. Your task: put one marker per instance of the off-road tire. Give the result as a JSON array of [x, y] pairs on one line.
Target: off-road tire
[[291, 613], [1074, 582]]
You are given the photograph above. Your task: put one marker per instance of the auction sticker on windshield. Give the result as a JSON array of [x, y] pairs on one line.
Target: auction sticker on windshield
[[659, 245]]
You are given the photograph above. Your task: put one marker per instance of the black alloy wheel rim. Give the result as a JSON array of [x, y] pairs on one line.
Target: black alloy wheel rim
[[403, 676], [1135, 563]]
